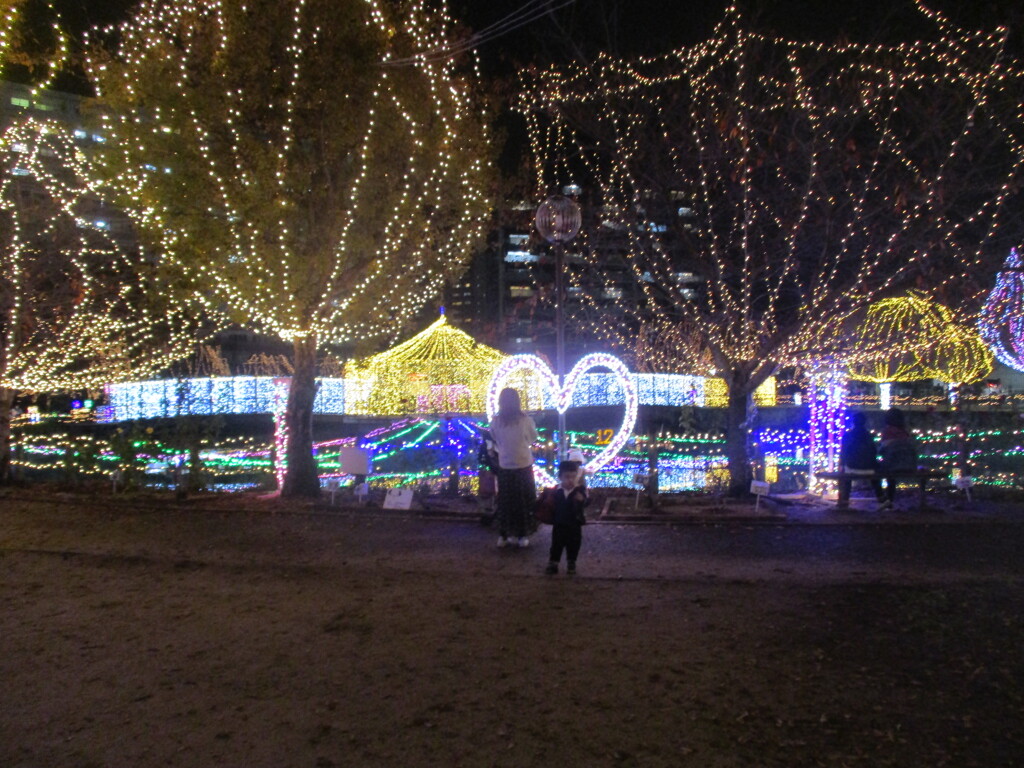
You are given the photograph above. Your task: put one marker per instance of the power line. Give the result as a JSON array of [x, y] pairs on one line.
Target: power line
[[525, 14]]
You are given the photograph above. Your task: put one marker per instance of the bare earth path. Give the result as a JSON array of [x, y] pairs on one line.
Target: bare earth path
[[171, 638]]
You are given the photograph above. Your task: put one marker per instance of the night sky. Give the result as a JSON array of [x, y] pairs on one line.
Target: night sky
[[644, 27], [632, 27]]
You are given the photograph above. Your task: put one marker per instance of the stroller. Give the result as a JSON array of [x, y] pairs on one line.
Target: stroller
[[487, 476]]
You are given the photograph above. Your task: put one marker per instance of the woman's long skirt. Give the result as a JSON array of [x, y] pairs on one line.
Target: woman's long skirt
[[517, 495]]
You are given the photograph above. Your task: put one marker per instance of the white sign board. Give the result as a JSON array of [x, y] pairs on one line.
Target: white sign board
[[398, 498], [964, 482], [354, 461], [759, 487]]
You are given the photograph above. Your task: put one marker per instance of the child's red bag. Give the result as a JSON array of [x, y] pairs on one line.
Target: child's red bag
[[544, 511], [488, 488]]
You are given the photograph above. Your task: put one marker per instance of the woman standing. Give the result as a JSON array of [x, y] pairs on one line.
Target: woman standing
[[514, 433]]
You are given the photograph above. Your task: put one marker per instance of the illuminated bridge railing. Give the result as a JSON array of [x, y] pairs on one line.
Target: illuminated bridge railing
[[167, 398]]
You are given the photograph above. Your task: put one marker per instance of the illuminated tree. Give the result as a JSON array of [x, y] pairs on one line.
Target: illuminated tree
[[1002, 317], [41, 58], [313, 163], [765, 190], [660, 346], [77, 308]]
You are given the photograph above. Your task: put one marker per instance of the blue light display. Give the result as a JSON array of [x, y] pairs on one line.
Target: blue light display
[[166, 398], [1001, 323]]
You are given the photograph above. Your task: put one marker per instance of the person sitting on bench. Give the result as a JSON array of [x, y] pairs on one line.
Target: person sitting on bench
[[897, 450], [857, 456]]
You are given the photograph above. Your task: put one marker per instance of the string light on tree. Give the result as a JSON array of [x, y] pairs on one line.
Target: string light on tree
[[827, 401], [280, 402], [77, 309], [959, 357], [320, 192], [897, 165], [895, 337], [13, 48]]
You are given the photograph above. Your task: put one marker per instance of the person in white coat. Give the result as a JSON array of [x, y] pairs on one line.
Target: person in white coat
[[514, 434]]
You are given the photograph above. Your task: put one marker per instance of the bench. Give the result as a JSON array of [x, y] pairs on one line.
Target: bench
[[921, 476]]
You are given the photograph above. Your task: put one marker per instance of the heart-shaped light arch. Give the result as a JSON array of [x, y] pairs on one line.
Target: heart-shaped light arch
[[563, 395]]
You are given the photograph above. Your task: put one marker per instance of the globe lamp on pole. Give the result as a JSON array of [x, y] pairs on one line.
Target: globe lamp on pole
[[558, 221]]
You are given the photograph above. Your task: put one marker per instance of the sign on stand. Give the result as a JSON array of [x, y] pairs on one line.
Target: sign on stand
[[965, 483], [332, 485], [759, 488], [642, 482], [398, 498], [362, 492]]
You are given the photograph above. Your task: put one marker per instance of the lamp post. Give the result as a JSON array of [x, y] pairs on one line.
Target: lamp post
[[558, 220]]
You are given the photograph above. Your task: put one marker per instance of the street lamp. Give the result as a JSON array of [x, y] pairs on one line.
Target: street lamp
[[558, 220]]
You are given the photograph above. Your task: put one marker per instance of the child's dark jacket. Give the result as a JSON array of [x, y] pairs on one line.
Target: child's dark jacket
[[569, 510]]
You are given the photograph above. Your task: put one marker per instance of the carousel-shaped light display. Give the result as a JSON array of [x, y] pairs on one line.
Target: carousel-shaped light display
[[439, 370]]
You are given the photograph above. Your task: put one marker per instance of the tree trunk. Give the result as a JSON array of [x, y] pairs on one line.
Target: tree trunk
[[301, 478], [652, 470], [741, 390], [454, 457], [963, 448], [195, 468], [6, 404]]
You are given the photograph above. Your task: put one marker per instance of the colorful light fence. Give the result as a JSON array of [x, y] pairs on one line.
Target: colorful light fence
[[413, 451]]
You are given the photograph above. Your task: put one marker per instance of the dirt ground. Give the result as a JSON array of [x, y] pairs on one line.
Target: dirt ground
[[131, 637]]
